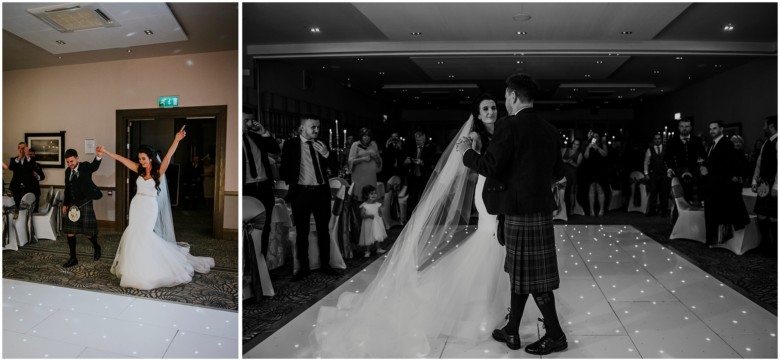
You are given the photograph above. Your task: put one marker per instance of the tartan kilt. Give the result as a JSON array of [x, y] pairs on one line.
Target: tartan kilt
[[766, 206], [531, 257], [86, 225]]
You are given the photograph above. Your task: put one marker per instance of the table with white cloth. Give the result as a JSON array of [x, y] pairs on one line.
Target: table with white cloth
[[749, 237]]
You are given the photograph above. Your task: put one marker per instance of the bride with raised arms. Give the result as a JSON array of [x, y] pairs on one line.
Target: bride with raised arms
[[442, 276], [148, 255]]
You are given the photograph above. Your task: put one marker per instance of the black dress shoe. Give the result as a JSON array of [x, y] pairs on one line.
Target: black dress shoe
[[512, 341], [547, 345], [97, 253], [71, 262], [300, 275]]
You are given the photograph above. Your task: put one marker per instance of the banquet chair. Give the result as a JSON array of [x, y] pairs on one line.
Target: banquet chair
[[23, 223], [45, 221], [615, 199], [638, 177], [744, 239], [403, 197], [253, 216], [690, 222], [391, 196]]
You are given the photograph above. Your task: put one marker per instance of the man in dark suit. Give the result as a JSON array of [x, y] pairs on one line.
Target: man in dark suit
[[305, 164], [25, 178], [658, 184], [764, 183], [723, 203], [419, 163], [520, 165], [39, 176], [258, 175], [80, 191], [683, 155]]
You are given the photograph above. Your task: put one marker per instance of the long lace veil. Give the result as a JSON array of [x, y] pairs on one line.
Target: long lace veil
[[385, 319], [164, 225]]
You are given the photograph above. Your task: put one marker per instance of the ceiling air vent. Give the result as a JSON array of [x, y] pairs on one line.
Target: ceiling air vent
[[68, 18]]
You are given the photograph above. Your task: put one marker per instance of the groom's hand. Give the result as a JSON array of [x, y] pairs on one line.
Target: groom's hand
[[463, 144]]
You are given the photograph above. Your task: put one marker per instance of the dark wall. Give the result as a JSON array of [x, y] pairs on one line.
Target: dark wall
[[745, 95]]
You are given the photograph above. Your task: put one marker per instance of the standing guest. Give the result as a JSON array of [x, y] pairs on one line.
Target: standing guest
[[743, 161], [419, 163], [597, 175], [364, 161], [393, 157], [39, 176], [753, 159], [258, 176], [24, 179], [305, 163], [520, 164], [572, 159], [193, 183], [723, 205], [659, 183], [78, 209], [765, 184], [372, 230], [683, 155]]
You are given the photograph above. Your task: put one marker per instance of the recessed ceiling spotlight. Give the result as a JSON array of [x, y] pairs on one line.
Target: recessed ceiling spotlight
[[314, 29], [416, 97], [620, 97], [587, 75], [728, 27], [599, 62], [415, 33], [690, 77], [148, 32], [360, 59], [381, 73], [451, 76], [575, 89], [323, 66], [656, 72], [129, 51], [522, 33], [404, 90], [718, 65], [60, 42], [440, 62], [626, 32], [633, 89], [461, 90], [59, 57], [679, 58]]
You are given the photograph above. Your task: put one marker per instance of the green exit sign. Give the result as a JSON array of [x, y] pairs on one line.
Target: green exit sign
[[168, 101]]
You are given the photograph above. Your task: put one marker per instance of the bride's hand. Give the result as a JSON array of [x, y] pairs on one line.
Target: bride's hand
[[181, 134], [99, 150]]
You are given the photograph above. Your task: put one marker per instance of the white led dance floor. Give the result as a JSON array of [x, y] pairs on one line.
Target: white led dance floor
[[622, 295], [41, 321]]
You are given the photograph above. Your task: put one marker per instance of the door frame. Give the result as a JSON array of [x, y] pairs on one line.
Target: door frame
[[123, 117]]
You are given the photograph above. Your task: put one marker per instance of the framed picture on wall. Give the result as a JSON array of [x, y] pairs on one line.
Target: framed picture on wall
[[49, 148], [732, 129]]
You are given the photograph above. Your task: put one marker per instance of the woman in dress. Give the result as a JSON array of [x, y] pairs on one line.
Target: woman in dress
[[364, 161], [148, 256], [572, 159], [596, 172], [442, 276]]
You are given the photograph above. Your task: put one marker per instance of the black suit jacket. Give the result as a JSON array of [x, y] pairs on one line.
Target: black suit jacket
[[723, 196], [81, 188], [290, 168], [23, 174], [683, 158], [520, 164], [428, 156], [267, 145]]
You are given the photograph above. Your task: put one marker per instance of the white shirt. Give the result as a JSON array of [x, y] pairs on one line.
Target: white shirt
[[257, 156], [714, 143], [307, 176]]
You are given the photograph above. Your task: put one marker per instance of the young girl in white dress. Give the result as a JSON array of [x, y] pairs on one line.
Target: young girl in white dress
[[145, 259], [372, 231]]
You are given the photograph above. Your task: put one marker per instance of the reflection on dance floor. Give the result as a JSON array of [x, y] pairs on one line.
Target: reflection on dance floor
[[622, 295]]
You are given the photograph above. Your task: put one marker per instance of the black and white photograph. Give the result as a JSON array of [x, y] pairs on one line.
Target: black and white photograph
[[120, 216], [585, 180]]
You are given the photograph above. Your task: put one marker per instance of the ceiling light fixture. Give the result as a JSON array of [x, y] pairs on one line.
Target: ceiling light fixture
[[314, 30], [679, 58], [381, 73], [599, 62], [129, 51], [360, 59], [415, 33], [728, 27], [440, 62], [60, 42], [521, 33], [626, 32], [148, 32], [656, 72], [587, 75], [451, 76]]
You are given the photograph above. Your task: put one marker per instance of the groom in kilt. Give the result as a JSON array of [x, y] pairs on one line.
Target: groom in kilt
[[80, 191], [520, 164]]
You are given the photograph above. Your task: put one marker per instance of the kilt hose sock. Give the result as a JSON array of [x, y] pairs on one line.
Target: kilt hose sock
[[546, 303], [517, 306], [72, 244]]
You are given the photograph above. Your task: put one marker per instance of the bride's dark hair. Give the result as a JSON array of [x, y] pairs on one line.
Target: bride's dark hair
[[155, 171], [478, 126]]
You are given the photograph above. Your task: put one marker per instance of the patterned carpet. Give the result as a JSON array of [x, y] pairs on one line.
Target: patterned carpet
[[260, 320], [41, 262], [754, 275]]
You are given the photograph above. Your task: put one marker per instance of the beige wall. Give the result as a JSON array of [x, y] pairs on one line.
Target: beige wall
[[82, 100]]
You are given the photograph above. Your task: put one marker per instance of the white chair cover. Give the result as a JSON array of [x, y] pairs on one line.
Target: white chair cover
[[251, 208], [559, 188], [616, 199], [393, 187], [45, 221], [744, 239], [279, 235], [23, 223], [635, 177], [690, 222]]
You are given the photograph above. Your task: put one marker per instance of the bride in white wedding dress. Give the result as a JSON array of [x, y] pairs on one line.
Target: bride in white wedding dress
[[441, 278], [148, 256]]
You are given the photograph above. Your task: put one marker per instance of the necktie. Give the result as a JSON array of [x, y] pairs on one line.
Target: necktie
[[315, 162], [73, 174], [710, 151], [685, 140], [658, 149], [250, 157]]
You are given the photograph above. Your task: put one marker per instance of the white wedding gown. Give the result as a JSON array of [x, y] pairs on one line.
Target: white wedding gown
[[143, 259], [465, 296]]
